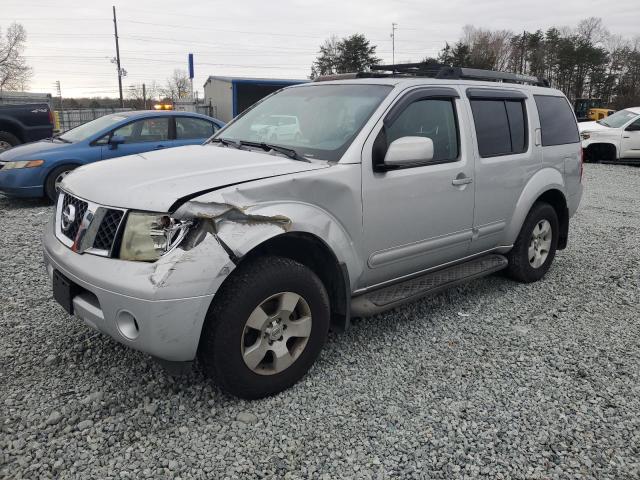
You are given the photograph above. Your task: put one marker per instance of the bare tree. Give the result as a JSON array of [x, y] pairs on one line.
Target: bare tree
[[136, 94], [592, 30], [178, 85], [14, 71]]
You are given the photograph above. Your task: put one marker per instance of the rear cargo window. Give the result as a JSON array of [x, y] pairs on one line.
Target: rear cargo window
[[557, 122], [501, 126]]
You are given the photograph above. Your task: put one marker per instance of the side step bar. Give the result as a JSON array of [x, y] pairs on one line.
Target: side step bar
[[397, 294]]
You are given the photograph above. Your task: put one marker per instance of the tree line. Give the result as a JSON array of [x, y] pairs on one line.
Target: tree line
[[583, 62]]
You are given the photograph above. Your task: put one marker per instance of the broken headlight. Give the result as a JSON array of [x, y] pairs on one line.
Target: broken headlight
[[148, 236]]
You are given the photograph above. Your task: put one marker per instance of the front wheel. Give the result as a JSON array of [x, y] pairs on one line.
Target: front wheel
[[265, 328], [536, 245], [54, 179]]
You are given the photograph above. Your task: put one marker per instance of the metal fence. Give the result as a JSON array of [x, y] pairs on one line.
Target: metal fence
[[68, 119]]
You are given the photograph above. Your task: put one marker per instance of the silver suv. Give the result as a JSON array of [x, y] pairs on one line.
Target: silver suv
[[243, 253]]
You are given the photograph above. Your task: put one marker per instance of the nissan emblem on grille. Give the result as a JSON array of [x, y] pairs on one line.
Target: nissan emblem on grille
[[68, 217]]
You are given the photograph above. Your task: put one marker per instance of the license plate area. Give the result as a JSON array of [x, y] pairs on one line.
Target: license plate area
[[64, 290]]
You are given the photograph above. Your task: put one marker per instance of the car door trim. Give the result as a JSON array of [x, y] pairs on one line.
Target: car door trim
[[411, 250]]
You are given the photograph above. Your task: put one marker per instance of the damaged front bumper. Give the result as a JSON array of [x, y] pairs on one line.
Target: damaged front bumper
[[158, 308]]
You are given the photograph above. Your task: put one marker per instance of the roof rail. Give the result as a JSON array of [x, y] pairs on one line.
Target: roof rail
[[438, 70], [350, 76]]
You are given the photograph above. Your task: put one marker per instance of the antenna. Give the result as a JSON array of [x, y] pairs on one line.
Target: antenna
[[394, 27]]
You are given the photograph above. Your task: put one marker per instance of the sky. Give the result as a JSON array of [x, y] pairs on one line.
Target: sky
[[73, 41]]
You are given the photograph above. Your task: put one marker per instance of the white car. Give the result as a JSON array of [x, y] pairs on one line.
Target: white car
[[614, 138], [277, 128]]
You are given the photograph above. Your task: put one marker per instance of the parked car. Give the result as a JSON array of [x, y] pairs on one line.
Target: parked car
[[276, 127], [22, 123], [245, 253], [36, 169], [614, 138]]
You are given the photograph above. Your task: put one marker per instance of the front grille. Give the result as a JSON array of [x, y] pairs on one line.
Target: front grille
[[93, 228], [80, 207], [106, 234]]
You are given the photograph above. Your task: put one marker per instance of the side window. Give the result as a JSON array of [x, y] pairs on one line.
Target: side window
[[147, 130], [189, 128], [431, 118], [501, 126], [557, 122]]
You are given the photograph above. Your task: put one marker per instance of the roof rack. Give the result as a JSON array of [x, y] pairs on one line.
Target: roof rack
[[440, 71]]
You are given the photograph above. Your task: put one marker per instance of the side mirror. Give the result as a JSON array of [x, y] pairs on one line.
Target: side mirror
[[115, 141], [407, 151], [634, 127]]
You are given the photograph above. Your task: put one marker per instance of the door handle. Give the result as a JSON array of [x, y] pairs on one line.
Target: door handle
[[461, 181], [626, 136]]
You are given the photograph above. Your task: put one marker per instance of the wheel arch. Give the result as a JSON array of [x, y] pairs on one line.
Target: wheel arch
[[12, 127], [558, 201], [311, 251], [595, 150], [546, 185]]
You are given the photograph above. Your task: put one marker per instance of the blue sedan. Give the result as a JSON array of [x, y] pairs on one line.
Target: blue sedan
[[36, 169]]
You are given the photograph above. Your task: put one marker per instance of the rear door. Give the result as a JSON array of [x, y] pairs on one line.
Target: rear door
[[504, 159], [140, 136], [415, 218], [192, 131]]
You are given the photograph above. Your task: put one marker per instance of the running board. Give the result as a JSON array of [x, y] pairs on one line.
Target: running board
[[397, 294]]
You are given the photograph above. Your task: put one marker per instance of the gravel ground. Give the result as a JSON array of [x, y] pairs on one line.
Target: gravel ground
[[492, 379]]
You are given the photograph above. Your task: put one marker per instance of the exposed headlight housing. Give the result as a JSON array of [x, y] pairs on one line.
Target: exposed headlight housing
[[148, 236], [22, 164]]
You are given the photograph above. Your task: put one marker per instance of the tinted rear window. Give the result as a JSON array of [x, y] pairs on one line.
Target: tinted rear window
[[517, 122], [557, 121], [501, 126], [492, 127]]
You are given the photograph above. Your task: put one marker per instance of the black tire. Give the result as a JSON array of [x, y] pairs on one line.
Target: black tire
[[250, 284], [50, 182], [520, 268], [10, 138]]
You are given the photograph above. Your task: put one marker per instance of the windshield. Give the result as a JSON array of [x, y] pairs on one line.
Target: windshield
[[318, 121], [618, 119], [89, 129]]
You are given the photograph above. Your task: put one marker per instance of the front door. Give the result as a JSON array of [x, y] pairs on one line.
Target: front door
[[140, 136], [630, 145], [419, 217]]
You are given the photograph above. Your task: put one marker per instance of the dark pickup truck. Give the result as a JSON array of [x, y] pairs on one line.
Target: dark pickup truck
[[24, 123]]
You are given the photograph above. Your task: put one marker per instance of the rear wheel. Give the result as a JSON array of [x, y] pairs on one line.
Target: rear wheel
[[265, 328], [8, 140], [54, 179], [535, 247]]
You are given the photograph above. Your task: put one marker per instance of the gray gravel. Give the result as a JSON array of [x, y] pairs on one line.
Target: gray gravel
[[492, 379]]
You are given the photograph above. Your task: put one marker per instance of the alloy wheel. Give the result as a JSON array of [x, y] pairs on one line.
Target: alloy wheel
[[276, 333], [540, 243]]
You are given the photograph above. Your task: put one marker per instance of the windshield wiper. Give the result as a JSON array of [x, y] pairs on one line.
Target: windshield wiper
[[289, 152], [228, 143]]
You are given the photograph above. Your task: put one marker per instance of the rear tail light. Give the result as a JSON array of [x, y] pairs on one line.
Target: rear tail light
[[581, 163], [51, 117]]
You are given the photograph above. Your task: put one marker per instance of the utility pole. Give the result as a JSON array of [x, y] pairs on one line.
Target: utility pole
[[115, 27], [144, 95], [59, 92], [394, 27]]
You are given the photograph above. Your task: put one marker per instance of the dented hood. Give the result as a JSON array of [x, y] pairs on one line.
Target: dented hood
[[154, 181]]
